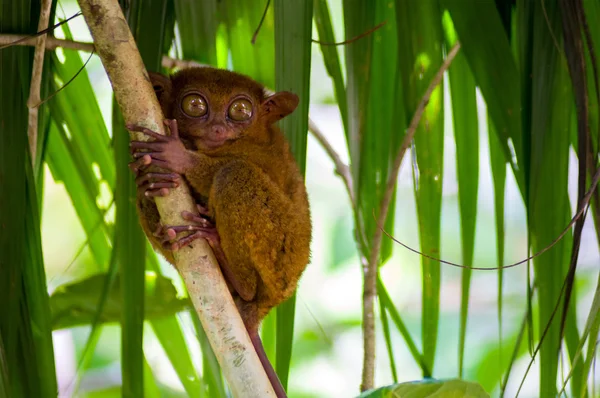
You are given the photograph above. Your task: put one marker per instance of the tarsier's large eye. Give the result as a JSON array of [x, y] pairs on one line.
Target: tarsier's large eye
[[240, 110], [194, 105]]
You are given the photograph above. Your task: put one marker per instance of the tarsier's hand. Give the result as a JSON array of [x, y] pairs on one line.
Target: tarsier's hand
[[166, 152]]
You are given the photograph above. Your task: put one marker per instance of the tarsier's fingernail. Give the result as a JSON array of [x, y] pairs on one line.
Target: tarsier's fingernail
[[151, 185]]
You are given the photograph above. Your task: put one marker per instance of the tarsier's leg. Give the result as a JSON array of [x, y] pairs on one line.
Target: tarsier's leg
[[202, 228], [261, 229]]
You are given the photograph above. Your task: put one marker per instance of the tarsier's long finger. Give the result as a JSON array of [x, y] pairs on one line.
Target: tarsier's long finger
[[149, 145], [148, 132], [153, 155], [156, 177], [197, 219], [164, 233], [140, 164], [203, 210], [173, 128], [185, 241], [185, 228]]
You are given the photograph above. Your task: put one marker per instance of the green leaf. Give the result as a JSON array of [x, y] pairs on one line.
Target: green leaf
[[387, 303], [76, 304], [429, 389], [359, 16], [498, 167], [87, 129], [256, 60], [487, 50], [420, 42], [96, 324], [548, 205], [466, 135], [26, 350], [71, 172], [385, 324], [155, 26], [331, 57], [131, 259], [384, 127], [175, 346], [293, 28], [198, 23]]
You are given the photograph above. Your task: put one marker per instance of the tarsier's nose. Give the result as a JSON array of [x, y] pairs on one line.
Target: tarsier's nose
[[218, 130]]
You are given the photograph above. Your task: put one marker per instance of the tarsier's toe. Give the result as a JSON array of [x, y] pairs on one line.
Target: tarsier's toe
[[140, 163], [157, 184], [203, 210], [201, 221]]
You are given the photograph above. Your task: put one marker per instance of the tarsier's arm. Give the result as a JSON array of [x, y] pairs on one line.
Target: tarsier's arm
[[151, 184]]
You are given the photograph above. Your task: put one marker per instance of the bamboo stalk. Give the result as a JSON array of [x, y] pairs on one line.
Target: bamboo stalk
[[197, 265]]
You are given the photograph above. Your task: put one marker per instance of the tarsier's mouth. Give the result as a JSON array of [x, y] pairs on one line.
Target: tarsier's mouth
[[212, 143]]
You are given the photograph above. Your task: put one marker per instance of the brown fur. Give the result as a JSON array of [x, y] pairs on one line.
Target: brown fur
[[251, 184]]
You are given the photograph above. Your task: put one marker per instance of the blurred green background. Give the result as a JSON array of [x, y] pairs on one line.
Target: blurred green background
[[327, 345]]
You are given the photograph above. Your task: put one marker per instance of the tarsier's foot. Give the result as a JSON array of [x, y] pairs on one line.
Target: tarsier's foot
[[203, 210], [157, 184]]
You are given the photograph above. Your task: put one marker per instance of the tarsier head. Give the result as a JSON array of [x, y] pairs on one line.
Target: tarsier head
[[215, 107]]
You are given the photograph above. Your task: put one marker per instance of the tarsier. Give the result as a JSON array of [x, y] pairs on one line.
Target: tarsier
[[252, 204]]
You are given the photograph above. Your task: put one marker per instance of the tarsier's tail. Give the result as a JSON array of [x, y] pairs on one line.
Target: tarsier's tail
[[262, 355]]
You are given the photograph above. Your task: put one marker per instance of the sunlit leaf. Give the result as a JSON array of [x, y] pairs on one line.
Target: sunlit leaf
[[293, 30], [420, 41], [466, 135]]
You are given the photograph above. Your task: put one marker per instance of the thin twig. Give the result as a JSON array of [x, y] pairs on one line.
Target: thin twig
[[52, 43], [262, 19], [355, 38], [48, 98], [36, 79], [580, 212], [39, 33], [341, 168], [370, 287]]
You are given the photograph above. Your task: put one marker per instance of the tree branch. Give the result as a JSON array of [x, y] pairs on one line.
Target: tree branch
[[36, 79], [370, 288], [197, 265]]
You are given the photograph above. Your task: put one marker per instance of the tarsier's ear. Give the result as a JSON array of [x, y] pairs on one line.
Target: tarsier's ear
[[279, 105], [160, 83]]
